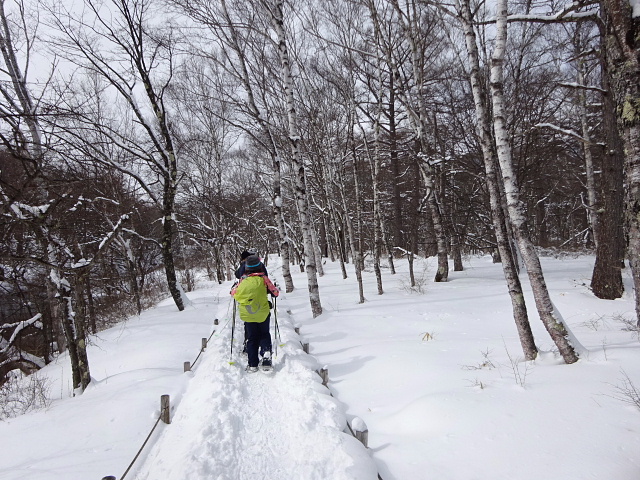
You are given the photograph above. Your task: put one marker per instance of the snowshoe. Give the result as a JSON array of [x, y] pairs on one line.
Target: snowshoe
[[266, 365]]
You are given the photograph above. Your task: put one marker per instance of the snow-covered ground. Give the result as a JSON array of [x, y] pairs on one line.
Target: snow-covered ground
[[436, 374]]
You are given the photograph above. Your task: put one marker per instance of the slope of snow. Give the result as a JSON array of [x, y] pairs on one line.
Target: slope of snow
[[437, 375]]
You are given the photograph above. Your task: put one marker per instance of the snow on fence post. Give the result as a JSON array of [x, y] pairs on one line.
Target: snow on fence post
[[165, 412], [360, 430], [204, 344], [187, 366]]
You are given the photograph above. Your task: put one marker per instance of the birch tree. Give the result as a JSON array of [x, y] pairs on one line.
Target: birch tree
[[412, 21], [550, 318], [339, 36], [582, 100], [22, 135], [276, 11], [241, 54], [136, 60], [481, 101]]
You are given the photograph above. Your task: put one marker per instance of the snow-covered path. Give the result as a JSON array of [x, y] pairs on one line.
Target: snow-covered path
[[231, 425]]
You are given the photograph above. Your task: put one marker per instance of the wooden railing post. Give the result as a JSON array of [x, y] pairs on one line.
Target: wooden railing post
[[363, 436], [360, 430], [187, 366], [215, 321], [324, 374], [305, 347], [204, 344], [165, 409]]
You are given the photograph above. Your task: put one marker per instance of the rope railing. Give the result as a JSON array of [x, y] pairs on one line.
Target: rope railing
[[356, 427], [205, 342], [165, 408]]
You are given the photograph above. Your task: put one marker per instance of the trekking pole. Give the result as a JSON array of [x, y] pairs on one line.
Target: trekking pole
[[275, 317], [233, 327]]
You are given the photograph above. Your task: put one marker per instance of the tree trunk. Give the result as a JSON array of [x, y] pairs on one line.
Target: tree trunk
[[397, 224], [418, 118], [91, 310], [377, 215], [333, 222], [79, 320], [358, 258], [281, 225], [592, 198], [622, 48], [351, 231], [166, 244], [375, 157], [442, 274], [387, 243], [553, 324], [606, 281], [317, 252], [74, 330], [456, 254], [133, 282], [277, 21], [484, 133]]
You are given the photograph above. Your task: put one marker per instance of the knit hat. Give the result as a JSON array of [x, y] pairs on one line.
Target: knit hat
[[252, 261], [244, 255]]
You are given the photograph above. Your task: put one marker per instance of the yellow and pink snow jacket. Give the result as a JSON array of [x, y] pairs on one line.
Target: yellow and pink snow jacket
[[251, 295]]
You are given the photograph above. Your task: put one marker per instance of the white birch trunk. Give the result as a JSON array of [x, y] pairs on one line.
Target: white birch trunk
[[553, 324], [484, 133], [282, 228], [374, 159], [592, 218], [242, 72], [333, 221], [277, 21]]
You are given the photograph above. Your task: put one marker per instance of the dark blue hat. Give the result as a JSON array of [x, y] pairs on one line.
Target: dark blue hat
[[252, 261]]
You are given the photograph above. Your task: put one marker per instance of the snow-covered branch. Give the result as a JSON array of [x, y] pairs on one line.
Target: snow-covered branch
[[141, 237], [564, 131], [583, 87], [18, 327]]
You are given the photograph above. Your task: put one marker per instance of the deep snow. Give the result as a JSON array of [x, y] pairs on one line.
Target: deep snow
[[436, 375]]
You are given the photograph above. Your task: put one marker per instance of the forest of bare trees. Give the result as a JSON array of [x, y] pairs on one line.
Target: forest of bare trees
[[145, 140]]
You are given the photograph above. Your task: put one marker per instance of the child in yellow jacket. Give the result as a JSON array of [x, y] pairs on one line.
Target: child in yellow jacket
[[254, 306]]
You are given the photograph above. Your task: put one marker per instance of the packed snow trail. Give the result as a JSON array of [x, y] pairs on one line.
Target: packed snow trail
[[232, 425]]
